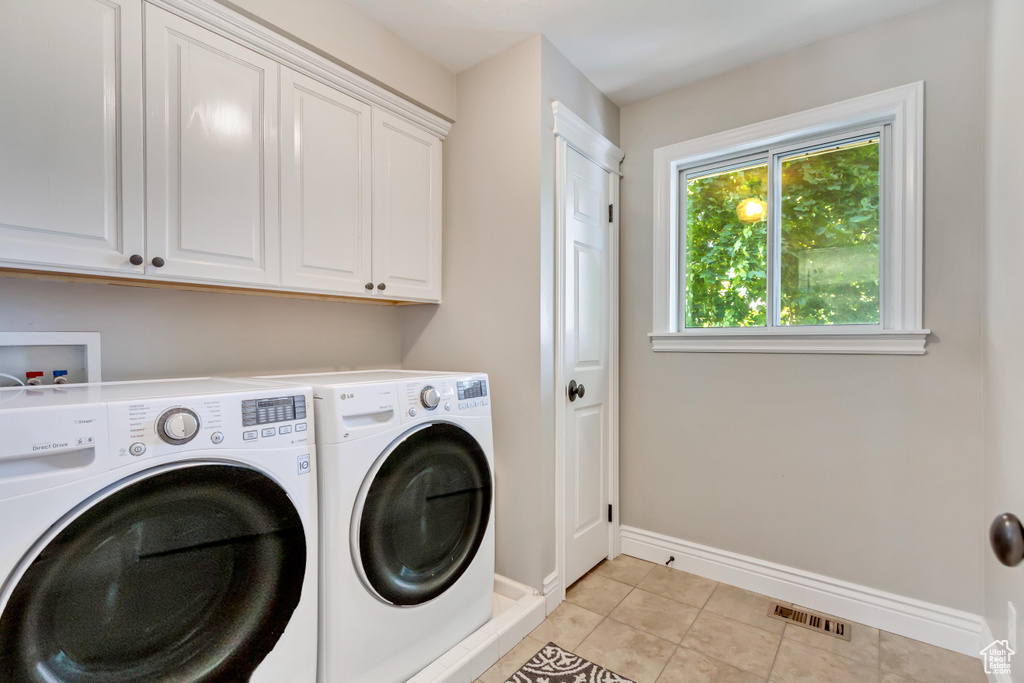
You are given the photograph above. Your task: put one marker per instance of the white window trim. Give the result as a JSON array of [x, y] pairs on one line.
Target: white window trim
[[900, 331]]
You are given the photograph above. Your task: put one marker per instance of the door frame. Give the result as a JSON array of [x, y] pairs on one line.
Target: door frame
[[572, 131]]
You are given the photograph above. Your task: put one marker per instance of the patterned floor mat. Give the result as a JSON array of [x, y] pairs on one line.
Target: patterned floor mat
[[554, 665]]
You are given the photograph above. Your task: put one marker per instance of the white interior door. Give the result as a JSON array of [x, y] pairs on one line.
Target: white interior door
[[212, 173], [71, 133], [586, 364], [325, 187]]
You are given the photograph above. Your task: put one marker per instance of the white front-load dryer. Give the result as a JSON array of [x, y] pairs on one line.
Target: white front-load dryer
[[158, 531], [407, 530]]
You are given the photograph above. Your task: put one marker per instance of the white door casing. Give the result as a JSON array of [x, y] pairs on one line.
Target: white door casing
[[586, 346], [326, 228], [71, 177], [211, 145], [406, 210]]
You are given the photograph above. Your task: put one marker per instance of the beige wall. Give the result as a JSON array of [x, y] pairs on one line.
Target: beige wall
[[349, 36], [562, 81], [498, 277], [489, 320], [148, 333], [863, 468], [1004, 324]]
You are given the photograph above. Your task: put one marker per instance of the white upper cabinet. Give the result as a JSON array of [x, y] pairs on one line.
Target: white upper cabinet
[[326, 187], [212, 173], [406, 210], [71, 183], [193, 145]]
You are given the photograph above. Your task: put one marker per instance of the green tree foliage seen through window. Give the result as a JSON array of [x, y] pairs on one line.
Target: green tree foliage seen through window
[[830, 236], [829, 241], [726, 257]]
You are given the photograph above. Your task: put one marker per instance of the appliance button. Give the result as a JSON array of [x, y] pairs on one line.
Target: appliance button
[[301, 427], [177, 426], [412, 412], [462, 406], [285, 430], [483, 402], [447, 406], [137, 448], [217, 437], [249, 436], [269, 431], [430, 397]]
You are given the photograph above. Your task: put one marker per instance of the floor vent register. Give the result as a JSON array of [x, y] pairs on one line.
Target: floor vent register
[[809, 620]]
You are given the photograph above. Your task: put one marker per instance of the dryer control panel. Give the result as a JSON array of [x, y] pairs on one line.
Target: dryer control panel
[[150, 428], [439, 396], [362, 409]]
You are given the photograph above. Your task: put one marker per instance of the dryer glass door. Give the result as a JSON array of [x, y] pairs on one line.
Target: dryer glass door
[[424, 514], [188, 572]]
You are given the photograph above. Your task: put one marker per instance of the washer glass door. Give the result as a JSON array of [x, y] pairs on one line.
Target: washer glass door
[[187, 573], [424, 515]]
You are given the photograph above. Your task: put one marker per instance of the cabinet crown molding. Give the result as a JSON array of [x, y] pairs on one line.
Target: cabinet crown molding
[[221, 19]]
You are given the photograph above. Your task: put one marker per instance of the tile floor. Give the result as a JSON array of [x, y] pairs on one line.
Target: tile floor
[[654, 624]]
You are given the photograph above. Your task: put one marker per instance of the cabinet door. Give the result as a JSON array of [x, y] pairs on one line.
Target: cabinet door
[[71, 190], [211, 146], [406, 210], [325, 187]]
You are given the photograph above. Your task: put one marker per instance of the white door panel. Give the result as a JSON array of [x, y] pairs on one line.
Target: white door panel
[[586, 361], [589, 274], [406, 209], [326, 233], [585, 466], [71, 133], [212, 159]]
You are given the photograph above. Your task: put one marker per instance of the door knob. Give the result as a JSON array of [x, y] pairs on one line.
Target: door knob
[[369, 285], [576, 390], [158, 262], [136, 260], [1007, 538], [382, 286]]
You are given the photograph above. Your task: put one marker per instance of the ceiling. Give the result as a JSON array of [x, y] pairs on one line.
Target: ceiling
[[629, 49]]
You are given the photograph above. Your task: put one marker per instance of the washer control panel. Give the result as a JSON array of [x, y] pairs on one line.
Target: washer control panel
[[151, 428], [261, 411]]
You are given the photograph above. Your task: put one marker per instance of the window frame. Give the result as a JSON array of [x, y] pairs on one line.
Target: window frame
[[896, 115]]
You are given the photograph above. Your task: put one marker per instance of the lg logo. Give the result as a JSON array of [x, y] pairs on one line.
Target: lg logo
[[344, 396]]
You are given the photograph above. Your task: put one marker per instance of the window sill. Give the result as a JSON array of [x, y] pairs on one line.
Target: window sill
[[895, 342]]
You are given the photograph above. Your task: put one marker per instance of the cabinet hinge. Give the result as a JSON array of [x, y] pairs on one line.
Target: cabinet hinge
[[609, 512], [610, 209]]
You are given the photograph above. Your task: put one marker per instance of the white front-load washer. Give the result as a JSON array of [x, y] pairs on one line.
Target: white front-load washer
[[407, 529], [158, 531]]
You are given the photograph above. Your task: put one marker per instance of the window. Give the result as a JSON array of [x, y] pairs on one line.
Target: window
[[800, 234]]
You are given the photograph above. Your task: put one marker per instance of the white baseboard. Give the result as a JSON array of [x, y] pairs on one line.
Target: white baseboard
[[986, 638], [552, 592], [942, 626]]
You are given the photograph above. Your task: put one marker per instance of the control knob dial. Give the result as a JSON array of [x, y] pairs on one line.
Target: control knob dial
[[177, 426], [429, 397]]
